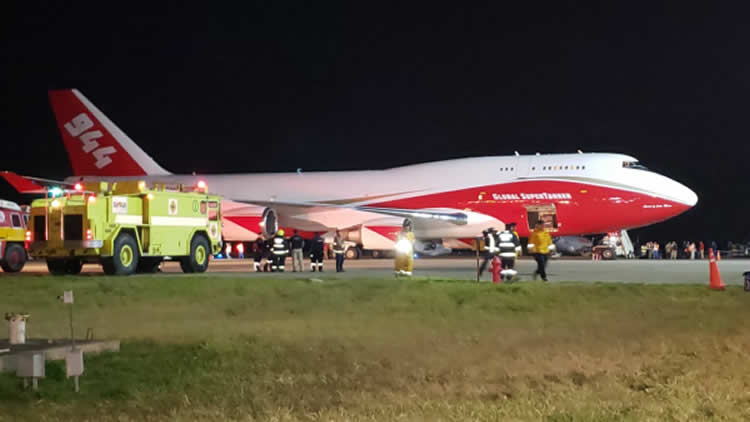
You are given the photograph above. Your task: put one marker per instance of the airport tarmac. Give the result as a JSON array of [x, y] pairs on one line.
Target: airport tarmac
[[628, 271]]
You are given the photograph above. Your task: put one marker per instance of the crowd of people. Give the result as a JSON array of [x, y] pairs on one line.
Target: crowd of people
[[673, 250], [271, 254]]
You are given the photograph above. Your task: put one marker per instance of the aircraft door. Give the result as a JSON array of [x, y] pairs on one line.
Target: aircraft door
[[523, 165], [547, 213]]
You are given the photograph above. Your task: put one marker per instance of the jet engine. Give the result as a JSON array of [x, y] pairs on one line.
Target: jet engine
[[269, 223]]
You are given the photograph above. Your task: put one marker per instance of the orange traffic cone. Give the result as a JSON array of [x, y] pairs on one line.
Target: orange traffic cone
[[718, 255], [715, 280]]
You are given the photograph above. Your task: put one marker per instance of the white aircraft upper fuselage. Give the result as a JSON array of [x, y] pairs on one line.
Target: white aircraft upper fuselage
[[574, 193]]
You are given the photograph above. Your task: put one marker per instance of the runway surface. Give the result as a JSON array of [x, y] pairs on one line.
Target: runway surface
[[629, 271]]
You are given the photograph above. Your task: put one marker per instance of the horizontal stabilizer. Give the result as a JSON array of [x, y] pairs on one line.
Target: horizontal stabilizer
[[22, 184]]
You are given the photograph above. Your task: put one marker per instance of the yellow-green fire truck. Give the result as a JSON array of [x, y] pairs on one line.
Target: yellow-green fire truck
[[126, 227]]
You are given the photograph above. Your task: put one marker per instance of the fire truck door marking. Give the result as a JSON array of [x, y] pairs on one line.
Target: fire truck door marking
[[214, 229], [172, 208], [119, 205]]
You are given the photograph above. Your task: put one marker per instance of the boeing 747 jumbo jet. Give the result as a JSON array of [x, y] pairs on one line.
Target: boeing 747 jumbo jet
[[450, 201]]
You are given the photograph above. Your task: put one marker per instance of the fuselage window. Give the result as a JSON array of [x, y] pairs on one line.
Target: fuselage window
[[633, 165]]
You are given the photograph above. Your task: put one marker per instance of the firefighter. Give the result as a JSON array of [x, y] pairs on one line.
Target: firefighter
[[259, 248], [280, 251], [228, 250], [404, 260], [240, 250], [540, 243], [338, 250], [490, 248], [316, 253], [297, 244], [509, 245]]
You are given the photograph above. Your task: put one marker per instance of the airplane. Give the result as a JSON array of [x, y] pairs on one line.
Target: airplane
[[449, 202]]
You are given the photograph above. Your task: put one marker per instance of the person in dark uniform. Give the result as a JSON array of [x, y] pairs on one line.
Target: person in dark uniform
[[490, 248], [316, 253], [279, 250], [509, 246], [267, 255], [259, 247]]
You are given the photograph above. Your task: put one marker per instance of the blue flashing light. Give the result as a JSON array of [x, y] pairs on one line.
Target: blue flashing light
[[55, 191]]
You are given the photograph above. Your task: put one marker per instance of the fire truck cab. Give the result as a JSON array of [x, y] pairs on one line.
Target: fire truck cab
[[12, 236]]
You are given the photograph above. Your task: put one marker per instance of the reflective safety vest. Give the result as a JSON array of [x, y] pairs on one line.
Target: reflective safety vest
[[508, 244], [279, 245], [490, 243], [338, 245]]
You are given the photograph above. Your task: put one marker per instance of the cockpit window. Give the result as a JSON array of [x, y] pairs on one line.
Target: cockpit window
[[634, 165]]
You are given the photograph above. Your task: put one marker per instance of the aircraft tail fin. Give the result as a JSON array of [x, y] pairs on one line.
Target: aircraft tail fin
[[95, 145]]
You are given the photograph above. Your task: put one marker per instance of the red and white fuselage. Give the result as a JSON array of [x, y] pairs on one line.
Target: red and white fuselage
[[572, 193]]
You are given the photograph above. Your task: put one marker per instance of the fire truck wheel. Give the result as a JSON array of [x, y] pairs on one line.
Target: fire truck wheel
[[56, 266], [200, 250], [125, 254], [73, 266], [15, 258]]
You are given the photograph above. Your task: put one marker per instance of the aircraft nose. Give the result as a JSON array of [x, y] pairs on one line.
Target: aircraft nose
[[683, 194]]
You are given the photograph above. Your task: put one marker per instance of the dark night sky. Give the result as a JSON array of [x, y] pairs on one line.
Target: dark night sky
[[268, 86]]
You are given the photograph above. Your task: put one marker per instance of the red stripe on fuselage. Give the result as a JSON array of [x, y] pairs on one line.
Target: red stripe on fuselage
[[389, 232], [581, 208]]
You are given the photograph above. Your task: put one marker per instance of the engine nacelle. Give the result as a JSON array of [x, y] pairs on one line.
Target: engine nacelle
[[431, 248], [269, 223]]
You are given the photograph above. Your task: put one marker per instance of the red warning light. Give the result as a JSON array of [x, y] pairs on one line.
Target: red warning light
[[201, 184], [78, 187]]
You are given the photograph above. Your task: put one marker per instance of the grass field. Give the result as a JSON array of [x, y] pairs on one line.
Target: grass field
[[233, 348]]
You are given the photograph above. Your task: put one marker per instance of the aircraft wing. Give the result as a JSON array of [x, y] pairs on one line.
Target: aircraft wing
[[291, 208]]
